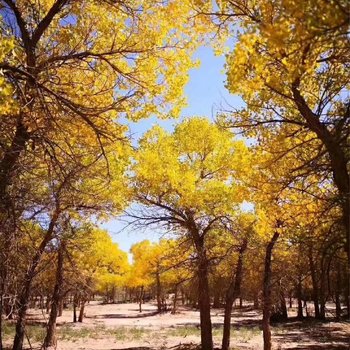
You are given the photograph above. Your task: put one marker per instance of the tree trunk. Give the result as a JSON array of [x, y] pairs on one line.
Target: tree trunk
[[347, 299], [50, 339], [203, 292], [323, 292], [82, 308], [7, 241], [216, 303], [183, 297], [48, 303], [315, 295], [232, 293], [26, 290], [8, 165], [267, 293], [256, 301], [204, 306], [3, 280], [299, 296], [159, 291], [75, 305], [140, 298], [60, 308], [173, 311], [337, 158], [338, 292], [283, 306], [1, 313], [113, 295]]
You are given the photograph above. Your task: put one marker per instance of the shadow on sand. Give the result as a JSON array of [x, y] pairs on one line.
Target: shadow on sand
[[140, 315]]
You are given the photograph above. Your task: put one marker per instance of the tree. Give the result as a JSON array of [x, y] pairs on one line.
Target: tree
[[72, 68], [64, 73], [61, 192], [91, 259], [140, 275], [242, 230], [290, 66], [187, 181]]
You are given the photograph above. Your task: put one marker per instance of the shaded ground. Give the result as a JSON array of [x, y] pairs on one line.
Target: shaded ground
[[121, 326]]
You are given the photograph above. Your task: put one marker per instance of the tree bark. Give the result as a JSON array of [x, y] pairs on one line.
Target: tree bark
[[81, 311], [232, 293], [9, 164], [75, 305], [50, 338], [204, 306], [1, 313], [267, 293], [60, 308]]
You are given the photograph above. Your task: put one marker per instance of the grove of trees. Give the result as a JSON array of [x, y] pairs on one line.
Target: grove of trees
[[255, 204]]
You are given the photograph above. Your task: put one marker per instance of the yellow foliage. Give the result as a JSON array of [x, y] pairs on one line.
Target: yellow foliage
[[197, 167]]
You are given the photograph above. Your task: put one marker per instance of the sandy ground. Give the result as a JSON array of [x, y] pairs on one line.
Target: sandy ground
[[122, 326]]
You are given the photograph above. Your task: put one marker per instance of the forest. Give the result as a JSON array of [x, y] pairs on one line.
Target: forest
[[251, 206]]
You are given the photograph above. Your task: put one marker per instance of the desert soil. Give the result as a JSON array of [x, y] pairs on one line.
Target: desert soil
[[122, 326]]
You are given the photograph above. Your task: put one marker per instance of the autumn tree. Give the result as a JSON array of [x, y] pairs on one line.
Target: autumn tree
[[72, 68], [97, 264], [187, 181], [287, 207], [159, 266], [241, 227], [77, 262], [65, 74], [290, 65], [140, 274]]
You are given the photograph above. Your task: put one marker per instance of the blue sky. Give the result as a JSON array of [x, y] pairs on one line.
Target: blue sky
[[206, 94]]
